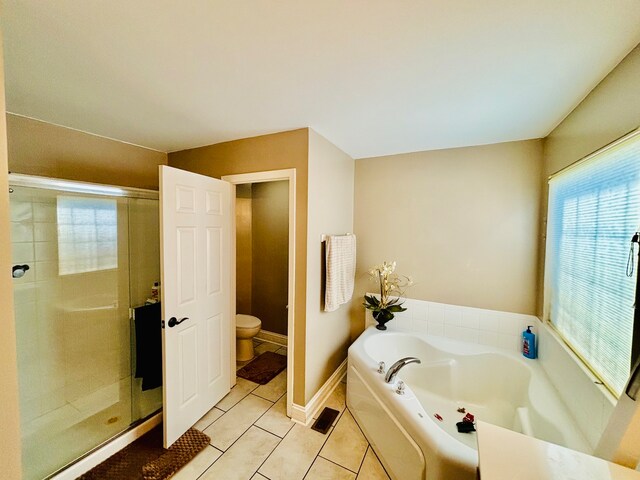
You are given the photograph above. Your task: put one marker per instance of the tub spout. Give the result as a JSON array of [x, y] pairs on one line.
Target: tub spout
[[395, 368]]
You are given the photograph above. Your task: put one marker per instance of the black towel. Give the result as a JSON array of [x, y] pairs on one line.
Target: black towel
[[148, 324]]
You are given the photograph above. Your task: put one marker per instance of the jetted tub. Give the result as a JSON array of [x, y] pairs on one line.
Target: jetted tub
[[497, 386]]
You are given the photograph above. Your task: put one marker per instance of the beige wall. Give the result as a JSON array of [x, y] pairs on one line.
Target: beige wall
[[40, 148], [462, 222], [331, 199], [9, 414], [267, 152], [270, 242], [244, 254], [611, 110], [608, 112]]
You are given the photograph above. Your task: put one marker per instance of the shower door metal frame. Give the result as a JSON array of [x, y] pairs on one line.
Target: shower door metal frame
[[34, 181]]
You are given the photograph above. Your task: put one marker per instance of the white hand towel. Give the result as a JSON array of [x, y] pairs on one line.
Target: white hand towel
[[341, 270]]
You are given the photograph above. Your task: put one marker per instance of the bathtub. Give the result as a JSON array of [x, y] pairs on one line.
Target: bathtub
[[497, 386]]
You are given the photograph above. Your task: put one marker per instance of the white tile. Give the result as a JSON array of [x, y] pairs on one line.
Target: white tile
[[510, 323], [402, 322], [45, 212], [452, 331], [242, 460], [294, 455], [509, 342], [419, 311], [469, 335], [452, 316], [325, 470], [208, 418], [228, 428], [197, 465], [21, 232], [22, 252], [45, 232], [20, 211], [46, 271], [371, 468], [273, 390], [489, 321], [419, 325], [276, 420], [24, 293], [346, 445], [435, 315], [470, 318], [241, 389], [488, 338], [46, 251], [437, 330]]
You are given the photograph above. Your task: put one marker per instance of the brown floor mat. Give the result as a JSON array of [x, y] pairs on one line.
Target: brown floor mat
[[145, 459], [263, 368]]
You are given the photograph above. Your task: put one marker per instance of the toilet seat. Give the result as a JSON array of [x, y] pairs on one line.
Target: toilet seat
[[247, 321]]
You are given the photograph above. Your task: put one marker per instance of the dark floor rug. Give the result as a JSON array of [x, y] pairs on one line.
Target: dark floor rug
[[263, 368], [145, 459]]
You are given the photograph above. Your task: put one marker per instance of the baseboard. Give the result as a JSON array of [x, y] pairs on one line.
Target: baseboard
[[101, 454], [305, 414], [272, 337]]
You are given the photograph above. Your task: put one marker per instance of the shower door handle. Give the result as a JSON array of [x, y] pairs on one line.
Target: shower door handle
[[173, 321]]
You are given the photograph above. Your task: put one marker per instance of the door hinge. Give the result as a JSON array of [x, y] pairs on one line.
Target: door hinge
[[162, 323]]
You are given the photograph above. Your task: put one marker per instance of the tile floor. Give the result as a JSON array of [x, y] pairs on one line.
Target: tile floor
[[252, 438]]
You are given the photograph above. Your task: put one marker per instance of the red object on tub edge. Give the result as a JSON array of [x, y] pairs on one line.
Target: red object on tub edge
[[438, 417], [468, 418]]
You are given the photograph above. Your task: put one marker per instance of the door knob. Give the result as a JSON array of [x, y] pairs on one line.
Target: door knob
[[173, 321]]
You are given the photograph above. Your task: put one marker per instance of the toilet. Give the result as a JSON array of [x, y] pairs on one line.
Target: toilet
[[247, 327]]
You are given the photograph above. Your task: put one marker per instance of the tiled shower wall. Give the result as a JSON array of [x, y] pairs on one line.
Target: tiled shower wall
[[72, 330], [468, 324]]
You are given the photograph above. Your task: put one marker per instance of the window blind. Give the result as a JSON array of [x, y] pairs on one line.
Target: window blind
[[594, 209]]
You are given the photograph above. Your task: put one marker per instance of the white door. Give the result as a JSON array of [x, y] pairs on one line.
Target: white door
[[195, 224]]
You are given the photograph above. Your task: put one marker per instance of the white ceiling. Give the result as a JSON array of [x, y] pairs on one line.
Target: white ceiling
[[375, 77]]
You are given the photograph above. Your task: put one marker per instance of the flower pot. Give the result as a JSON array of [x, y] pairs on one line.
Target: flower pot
[[382, 318]]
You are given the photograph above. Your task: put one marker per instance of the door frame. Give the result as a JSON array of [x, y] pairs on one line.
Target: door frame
[[262, 177]]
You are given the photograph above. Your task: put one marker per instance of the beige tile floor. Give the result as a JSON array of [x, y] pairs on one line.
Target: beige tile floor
[[252, 439]]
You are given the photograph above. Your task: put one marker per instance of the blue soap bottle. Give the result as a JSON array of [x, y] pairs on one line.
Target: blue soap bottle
[[529, 343]]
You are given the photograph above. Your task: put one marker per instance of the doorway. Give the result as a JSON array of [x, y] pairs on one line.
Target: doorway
[[263, 258]]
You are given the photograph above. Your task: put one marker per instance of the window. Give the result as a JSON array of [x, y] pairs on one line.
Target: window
[[87, 234], [594, 210]]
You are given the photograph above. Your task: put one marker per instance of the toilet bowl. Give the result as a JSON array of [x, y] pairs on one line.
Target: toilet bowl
[[247, 327]]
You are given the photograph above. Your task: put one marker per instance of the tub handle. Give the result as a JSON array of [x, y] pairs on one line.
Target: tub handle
[[400, 386], [381, 368]]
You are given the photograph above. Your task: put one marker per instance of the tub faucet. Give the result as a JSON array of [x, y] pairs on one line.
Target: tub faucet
[[395, 368]]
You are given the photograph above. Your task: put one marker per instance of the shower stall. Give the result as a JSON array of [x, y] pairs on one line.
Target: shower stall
[[84, 257]]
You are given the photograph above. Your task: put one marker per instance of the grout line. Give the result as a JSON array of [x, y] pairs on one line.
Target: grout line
[[245, 431], [363, 458], [263, 398], [342, 466], [319, 450], [271, 453]]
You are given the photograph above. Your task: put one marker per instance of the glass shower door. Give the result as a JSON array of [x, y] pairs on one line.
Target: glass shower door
[[72, 323]]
